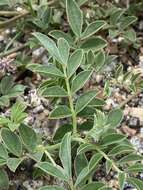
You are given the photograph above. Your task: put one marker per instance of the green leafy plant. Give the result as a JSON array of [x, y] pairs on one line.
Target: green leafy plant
[[91, 138], [9, 90]]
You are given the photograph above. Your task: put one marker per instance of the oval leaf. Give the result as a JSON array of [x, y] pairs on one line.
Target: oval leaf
[[55, 171], [74, 62], [4, 180], [65, 154], [12, 142], [48, 70], [49, 44], [54, 91], [75, 17], [115, 117], [13, 163], [79, 81], [136, 183], [60, 112], [28, 137], [64, 49], [94, 44], [84, 100], [93, 28]]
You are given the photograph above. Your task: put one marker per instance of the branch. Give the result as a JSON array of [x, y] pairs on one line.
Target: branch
[[12, 20], [12, 50], [9, 13]]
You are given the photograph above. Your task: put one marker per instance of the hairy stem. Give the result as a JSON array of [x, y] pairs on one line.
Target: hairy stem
[[107, 158], [50, 158], [74, 119]]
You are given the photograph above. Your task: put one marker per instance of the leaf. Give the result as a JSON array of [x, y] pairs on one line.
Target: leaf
[[13, 163], [80, 162], [115, 16], [48, 70], [93, 186], [127, 21], [93, 163], [75, 17], [115, 117], [121, 178], [131, 158], [112, 139], [17, 112], [55, 171], [15, 91], [84, 100], [12, 141], [130, 35], [108, 166], [28, 137], [93, 28], [74, 62], [81, 2], [97, 102], [64, 50], [79, 81], [4, 180], [2, 162], [99, 60], [3, 2], [85, 148], [60, 34], [51, 188], [60, 112], [6, 84], [65, 154], [121, 149], [54, 91], [135, 182], [49, 44], [135, 168], [36, 156], [94, 44], [61, 131], [4, 101], [3, 152]]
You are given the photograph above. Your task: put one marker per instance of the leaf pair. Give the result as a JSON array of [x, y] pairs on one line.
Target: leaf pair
[[63, 111], [64, 173], [75, 19]]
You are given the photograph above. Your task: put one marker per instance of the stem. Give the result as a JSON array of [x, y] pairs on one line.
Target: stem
[[72, 186], [9, 13], [12, 20], [12, 50], [50, 158], [107, 158], [52, 147], [101, 152], [74, 119]]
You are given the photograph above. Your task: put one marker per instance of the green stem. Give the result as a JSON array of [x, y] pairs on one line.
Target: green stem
[[74, 119], [107, 158], [52, 147], [101, 152], [50, 158]]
